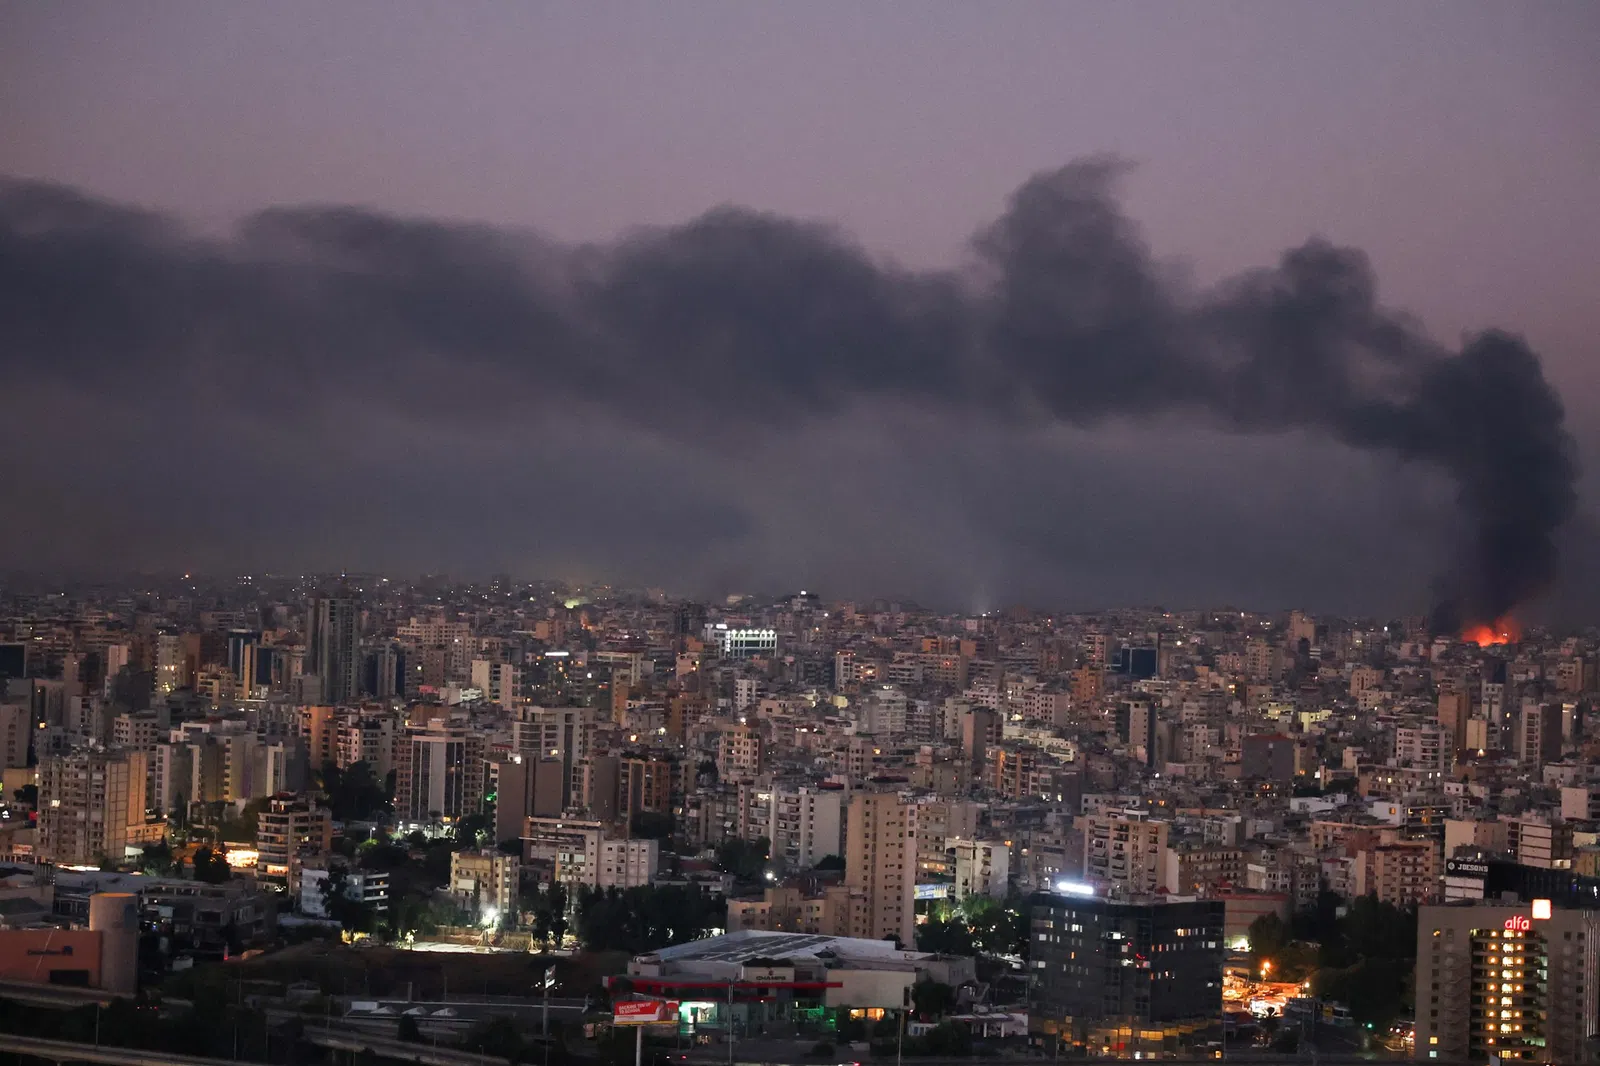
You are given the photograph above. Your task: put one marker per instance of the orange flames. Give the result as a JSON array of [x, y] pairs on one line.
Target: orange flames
[[1501, 631]]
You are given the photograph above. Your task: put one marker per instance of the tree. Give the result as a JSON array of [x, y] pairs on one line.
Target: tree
[[411, 914], [744, 859], [652, 825], [355, 793], [557, 901], [1319, 923], [497, 1036], [343, 905], [408, 1030], [1372, 929], [829, 862], [946, 936], [241, 825], [469, 829], [1268, 936], [646, 918], [27, 795], [1367, 958], [211, 866], [1375, 990], [157, 860], [932, 999]]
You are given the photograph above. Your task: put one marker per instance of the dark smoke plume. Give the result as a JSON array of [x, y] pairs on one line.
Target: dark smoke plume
[[1064, 316]]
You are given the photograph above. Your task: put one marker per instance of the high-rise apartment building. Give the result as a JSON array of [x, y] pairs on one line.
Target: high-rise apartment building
[[1455, 707], [644, 786], [383, 672], [940, 820], [1539, 841], [333, 653], [1123, 851], [1517, 982], [982, 868], [1427, 746], [739, 751], [980, 728], [881, 861], [1267, 757], [628, 863], [439, 774], [319, 728], [171, 664], [522, 787], [1136, 727], [1404, 874], [806, 824], [1539, 734], [500, 683], [445, 648], [87, 803], [16, 730], [565, 733], [286, 831], [370, 739]]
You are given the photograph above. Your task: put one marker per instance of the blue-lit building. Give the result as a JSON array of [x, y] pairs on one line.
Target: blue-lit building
[[1120, 978]]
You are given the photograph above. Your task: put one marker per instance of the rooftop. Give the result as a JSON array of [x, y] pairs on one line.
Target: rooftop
[[750, 944]]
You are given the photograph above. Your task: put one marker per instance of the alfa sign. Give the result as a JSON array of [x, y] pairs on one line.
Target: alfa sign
[[644, 1011]]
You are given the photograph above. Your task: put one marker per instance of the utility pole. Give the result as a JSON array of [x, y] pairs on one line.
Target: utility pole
[[900, 1039], [544, 1025], [730, 1021]]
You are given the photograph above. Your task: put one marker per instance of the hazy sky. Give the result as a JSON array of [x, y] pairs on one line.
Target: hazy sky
[[1457, 144]]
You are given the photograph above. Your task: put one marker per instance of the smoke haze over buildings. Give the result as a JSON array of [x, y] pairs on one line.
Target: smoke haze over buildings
[[746, 326]]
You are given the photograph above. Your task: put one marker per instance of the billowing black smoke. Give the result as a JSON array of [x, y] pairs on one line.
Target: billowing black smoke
[[1063, 316]]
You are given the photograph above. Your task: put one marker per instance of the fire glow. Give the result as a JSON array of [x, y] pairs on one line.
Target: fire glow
[[1502, 631]]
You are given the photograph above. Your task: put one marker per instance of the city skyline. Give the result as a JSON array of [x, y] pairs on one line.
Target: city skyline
[[959, 532]]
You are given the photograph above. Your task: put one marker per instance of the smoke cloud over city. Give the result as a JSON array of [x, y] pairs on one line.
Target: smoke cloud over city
[[753, 324]]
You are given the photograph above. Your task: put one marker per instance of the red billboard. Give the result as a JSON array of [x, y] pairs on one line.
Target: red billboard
[[644, 1012]]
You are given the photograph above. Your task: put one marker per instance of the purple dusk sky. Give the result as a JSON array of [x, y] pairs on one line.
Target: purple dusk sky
[[1458, 144]]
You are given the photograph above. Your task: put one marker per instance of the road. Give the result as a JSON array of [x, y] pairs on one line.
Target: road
[[63, 1051], [65, 996]]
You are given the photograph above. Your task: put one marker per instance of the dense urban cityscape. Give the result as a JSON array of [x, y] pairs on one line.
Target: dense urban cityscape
[[1128, 832], [799, 534]]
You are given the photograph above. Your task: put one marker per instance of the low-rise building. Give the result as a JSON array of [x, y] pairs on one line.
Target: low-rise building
[[486, 882], [290, 830], [368, 887], [982, 868]]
